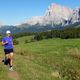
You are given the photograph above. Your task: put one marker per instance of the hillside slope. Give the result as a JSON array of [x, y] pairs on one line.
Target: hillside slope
[[52, 59]]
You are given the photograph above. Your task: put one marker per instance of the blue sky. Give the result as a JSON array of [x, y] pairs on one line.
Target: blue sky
[[16, 11]]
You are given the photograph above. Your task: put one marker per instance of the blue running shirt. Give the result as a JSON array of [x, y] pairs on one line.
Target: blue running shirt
[[9, 40]]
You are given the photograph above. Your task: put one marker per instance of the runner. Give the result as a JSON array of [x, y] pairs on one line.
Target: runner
[[7, 42]]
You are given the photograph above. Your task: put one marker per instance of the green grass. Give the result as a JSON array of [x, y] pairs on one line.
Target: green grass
[[41, 60], [22, 40]]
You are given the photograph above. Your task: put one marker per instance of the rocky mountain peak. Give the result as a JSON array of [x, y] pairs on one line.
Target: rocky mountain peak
[[56, 15]]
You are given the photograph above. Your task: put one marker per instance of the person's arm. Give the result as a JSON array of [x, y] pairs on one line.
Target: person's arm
[[4, 43], [12, 44]]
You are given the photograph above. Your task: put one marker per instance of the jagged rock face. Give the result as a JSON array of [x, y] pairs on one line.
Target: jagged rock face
[[76, 15], [35, 20], [56, 15], [79, 14]]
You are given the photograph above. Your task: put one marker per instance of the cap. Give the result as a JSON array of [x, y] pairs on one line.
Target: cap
[[7, 32]]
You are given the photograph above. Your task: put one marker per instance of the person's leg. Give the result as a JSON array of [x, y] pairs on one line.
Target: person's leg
[[6, 56], [6, 59], [11, 59]]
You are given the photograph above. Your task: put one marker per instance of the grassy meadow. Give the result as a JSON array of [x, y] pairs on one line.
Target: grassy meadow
[[48, 59]]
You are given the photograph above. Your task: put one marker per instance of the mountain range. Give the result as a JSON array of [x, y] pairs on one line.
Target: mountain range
[[55, 17]]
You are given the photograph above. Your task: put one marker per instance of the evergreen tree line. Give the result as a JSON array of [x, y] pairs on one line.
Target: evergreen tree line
[[63, 34], [22, 34]]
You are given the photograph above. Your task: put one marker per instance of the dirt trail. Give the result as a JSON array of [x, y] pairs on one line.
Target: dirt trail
[[13, 75]]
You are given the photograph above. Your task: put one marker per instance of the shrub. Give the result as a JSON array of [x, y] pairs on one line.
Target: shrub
[[38, 37], [32, 40], [15, 42], [26, 41]]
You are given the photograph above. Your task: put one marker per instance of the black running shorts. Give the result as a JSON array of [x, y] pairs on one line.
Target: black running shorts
[[8, 51]]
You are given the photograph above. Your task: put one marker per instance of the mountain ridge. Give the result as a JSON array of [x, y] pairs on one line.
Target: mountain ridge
[[56, 16]]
